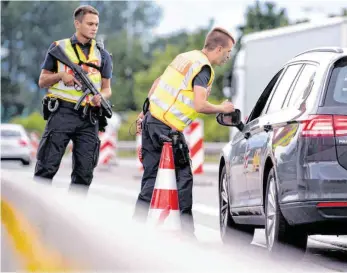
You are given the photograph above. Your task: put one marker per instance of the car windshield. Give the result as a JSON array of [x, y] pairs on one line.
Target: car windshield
[[337, 89], [10, 133]]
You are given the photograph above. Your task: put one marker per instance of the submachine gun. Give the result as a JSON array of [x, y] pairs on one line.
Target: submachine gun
[[87, 87]]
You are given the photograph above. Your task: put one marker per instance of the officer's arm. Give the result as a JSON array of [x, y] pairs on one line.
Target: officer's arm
[[49, 78], [201, 104], [106, 88], [200, 87], [106, 75]]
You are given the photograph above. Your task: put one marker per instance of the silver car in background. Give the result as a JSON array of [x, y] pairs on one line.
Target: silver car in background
[[15, 144]]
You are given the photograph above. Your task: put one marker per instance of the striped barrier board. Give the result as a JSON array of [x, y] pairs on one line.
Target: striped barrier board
[[194, 135]]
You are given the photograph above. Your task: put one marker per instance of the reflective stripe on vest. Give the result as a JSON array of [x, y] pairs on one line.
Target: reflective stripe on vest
[[173, 103], [69, 93]]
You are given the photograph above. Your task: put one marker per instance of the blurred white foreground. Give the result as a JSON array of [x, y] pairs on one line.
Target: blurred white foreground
[[49, 228]]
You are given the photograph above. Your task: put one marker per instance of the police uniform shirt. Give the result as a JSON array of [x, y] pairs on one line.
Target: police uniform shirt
[[203, 77], [50, 63]]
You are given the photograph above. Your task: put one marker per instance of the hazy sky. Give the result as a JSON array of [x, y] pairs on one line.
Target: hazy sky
[[191, 14]]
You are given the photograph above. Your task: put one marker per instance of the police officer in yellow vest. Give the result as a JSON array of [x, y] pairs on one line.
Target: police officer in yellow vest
[[175, 100], [65, 123]]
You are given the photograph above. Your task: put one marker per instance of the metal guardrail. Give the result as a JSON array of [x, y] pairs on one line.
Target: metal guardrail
[[209, 147]]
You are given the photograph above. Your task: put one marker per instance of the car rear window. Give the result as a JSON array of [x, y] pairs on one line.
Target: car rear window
[[337, 88], [10, 133]]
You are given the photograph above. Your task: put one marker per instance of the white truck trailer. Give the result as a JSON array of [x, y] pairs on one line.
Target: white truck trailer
[[264, 53]]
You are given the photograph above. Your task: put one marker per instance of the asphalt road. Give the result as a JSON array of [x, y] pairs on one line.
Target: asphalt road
[[122, 183]]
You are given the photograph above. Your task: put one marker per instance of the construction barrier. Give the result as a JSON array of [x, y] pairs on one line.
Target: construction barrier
[[194, 135], [107, 153], [34, 144], [46, 229]]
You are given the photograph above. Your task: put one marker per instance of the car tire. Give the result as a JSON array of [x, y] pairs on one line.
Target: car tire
[[280, 236], [26, 162], [230, 232]]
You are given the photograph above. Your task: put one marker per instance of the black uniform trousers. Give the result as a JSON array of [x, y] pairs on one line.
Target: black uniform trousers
[[152, 128], [62, 126]]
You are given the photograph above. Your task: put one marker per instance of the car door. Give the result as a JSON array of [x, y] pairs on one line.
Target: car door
[[259, 132], [238, 189]]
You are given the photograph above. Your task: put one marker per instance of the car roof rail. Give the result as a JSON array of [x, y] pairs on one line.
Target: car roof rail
[[323, 49]]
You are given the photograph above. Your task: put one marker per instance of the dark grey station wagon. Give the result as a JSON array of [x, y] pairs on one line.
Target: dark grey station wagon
[[285, 169]]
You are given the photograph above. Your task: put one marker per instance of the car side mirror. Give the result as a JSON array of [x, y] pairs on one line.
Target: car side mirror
[[231, 119]]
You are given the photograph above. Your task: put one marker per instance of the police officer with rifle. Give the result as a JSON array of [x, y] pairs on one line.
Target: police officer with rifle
[[77, 72]]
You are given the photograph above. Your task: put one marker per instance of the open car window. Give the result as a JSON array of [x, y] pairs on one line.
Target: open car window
[[260, 105]]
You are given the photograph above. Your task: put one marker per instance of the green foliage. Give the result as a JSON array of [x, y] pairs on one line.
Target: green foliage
[[214, 132], [33, 122], [145, 78], [128, 124], [261, 16]]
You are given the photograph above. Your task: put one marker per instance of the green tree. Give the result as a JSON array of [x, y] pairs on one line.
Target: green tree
[[258, 16], [27, 30], [262, 16]]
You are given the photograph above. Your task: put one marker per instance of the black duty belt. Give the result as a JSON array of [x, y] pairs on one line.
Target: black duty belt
[[70, 105]]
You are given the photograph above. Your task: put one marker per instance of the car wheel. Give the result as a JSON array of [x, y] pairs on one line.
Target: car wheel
[[26, 162], [230, 231], [280, 236]]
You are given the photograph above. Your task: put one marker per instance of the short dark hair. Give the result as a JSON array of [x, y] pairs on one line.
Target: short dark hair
[[218, 37], [83, 10]]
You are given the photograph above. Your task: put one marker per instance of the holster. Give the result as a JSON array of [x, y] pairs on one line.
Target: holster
[[180, 149], [102, 123], [46, 112], [145, 106]]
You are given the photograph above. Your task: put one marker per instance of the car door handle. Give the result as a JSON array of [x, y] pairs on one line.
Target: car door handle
[[268, 128]]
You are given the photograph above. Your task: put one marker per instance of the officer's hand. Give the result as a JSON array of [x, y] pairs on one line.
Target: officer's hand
[[96, 100], [228, 107], [69, 80]]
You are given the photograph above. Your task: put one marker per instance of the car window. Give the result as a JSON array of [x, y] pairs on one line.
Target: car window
[[283, 88], [303, 85], [262, 101], [10, 133], [337, 88]]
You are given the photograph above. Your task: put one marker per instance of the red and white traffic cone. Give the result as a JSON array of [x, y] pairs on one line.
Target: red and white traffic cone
[[164, 212]]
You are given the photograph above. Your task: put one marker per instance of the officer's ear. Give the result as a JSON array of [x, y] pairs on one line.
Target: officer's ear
[[77, 24]]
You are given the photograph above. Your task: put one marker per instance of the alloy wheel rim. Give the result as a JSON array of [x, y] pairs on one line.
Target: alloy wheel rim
[[271, 214], [223, 206]]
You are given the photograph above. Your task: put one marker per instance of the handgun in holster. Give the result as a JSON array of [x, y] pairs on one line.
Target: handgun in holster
[[180, 149]]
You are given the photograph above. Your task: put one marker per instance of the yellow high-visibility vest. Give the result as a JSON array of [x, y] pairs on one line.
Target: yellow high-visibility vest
[[69, 93], [172, 101]]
